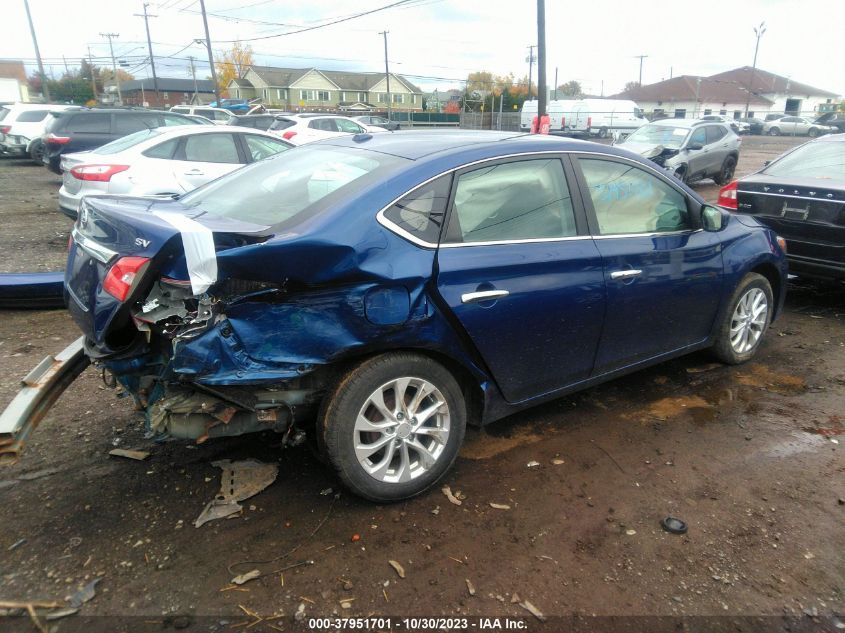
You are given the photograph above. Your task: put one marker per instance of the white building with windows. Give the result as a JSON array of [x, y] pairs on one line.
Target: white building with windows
[[312, 89], [689, 96]]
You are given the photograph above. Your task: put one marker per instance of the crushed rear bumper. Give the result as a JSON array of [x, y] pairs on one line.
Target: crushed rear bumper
[[40, 389]]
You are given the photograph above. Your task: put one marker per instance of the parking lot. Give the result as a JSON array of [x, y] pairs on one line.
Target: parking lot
[[748, 456]]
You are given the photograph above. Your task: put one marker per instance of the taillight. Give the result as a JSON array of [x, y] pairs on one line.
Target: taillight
[[727, 196], [589, 121], [288, 135], [5, 129], [122, 275], [52, 139], [562, 122], [97, 173]]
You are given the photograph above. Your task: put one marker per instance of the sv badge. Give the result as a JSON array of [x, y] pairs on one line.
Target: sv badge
[[140, 241]]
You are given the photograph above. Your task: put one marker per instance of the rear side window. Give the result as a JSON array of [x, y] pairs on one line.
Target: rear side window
[[94, 122], [31, 116], [128, 123], [3, 113], [326, 125], [348, 126], [169, 119], [715, 133], [125, 142], [421, 212], [162, 150], [520, 200], [626, 199], [211, 148]]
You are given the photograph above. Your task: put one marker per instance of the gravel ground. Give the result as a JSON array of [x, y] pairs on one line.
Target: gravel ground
[[748, 456]]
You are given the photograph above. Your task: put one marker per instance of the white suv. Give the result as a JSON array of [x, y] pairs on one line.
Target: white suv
[[307, 128], [21, 127]]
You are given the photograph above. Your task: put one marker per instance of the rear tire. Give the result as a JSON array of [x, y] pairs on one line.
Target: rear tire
[[36, 152], [603, 132], [774, 131], [745, 321], [393, 425], [813, 132], [726, 173]]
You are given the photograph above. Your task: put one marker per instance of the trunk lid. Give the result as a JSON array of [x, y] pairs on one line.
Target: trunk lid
[[810, 214], [113, 227]]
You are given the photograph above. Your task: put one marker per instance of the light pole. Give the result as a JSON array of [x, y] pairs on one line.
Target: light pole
[[758, 32], [641, 58], [210, 55], [530, 61], [45, 89], [111, 36]]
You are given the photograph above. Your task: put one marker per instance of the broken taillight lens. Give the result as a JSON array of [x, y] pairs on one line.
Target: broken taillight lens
[[122, 276], [727, 197]]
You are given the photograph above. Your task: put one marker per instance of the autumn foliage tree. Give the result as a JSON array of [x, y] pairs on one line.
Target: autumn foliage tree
[[233, 65]]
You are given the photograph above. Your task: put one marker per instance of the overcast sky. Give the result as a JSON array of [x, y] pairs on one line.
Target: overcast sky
[[437, 42]]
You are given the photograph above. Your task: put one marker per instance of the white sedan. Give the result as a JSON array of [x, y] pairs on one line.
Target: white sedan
[[162, 161], [307, 128]]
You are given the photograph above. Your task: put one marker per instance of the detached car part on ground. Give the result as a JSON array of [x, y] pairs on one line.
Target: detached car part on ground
[[384, 291], [801, 195]]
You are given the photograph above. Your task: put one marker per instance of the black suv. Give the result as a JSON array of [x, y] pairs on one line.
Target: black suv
[[78, 130]]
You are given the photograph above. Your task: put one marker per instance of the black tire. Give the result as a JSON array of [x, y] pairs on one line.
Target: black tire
[[813, 132], [774, 131], [36, 152], [724, 350], [681, 174], [603, 132], [342, 405], [726, 173]]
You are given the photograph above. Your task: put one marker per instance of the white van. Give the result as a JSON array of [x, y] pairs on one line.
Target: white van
[[566, 116], [613, 116]]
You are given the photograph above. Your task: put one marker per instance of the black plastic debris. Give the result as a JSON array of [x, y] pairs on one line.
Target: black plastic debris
[[673, 525]]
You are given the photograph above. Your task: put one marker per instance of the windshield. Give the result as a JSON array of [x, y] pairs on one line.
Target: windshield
[[665, 135], [125, 142], [291, 184], [824, 160]]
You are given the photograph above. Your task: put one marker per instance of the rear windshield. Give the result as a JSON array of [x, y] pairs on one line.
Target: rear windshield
[[125, 142], [31, 116], [825, 160], [292, 184], [282, 124]]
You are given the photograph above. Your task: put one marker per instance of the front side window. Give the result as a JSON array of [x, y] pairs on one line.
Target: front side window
[[211, 148], [520, 200], [627, 199], [699, 136], [127, 123], [421, 212], [348, 126], [261, 147]]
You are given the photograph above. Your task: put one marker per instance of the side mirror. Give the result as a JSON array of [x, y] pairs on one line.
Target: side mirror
[[712, 219], [695, 146], [767, 163]]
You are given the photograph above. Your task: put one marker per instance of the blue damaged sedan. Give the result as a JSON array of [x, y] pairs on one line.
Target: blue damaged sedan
[[384, 291]]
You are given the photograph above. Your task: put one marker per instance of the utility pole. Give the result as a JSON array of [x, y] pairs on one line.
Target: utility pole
[[555, 88], [758, 32], [530, 61], [45, 89], [147, 17], [387, 76], [93, 79], [111, 36], [210, 56], [641, 57], [697, 93], [541, 59], [194, 75]]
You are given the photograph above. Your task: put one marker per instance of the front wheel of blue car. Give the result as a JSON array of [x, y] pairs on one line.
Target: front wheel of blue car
[[393, 426], [745, 321]]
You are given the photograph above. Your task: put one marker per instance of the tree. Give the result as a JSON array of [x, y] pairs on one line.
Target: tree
[[452, 107], [631, 85], [480, 81], [570, 89], [233, 65]]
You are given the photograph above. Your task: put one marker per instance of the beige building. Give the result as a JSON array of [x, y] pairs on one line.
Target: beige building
[[312, 89]]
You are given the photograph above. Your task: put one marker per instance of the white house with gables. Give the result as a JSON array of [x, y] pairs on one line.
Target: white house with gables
[[314, 90]]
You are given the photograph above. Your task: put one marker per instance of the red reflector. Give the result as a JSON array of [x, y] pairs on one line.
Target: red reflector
[[288, 135], [5, 129], [122, 275], [52, 139], [98, 173], [727, 196]]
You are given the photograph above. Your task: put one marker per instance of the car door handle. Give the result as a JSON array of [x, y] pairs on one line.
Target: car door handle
[[483, 295], [625, 274]]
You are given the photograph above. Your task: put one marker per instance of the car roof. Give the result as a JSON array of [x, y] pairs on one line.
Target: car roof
[[417, 144], [681, 123]]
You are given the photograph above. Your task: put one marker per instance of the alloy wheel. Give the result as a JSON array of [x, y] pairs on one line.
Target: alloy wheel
[[402, 430], [749, 320]]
